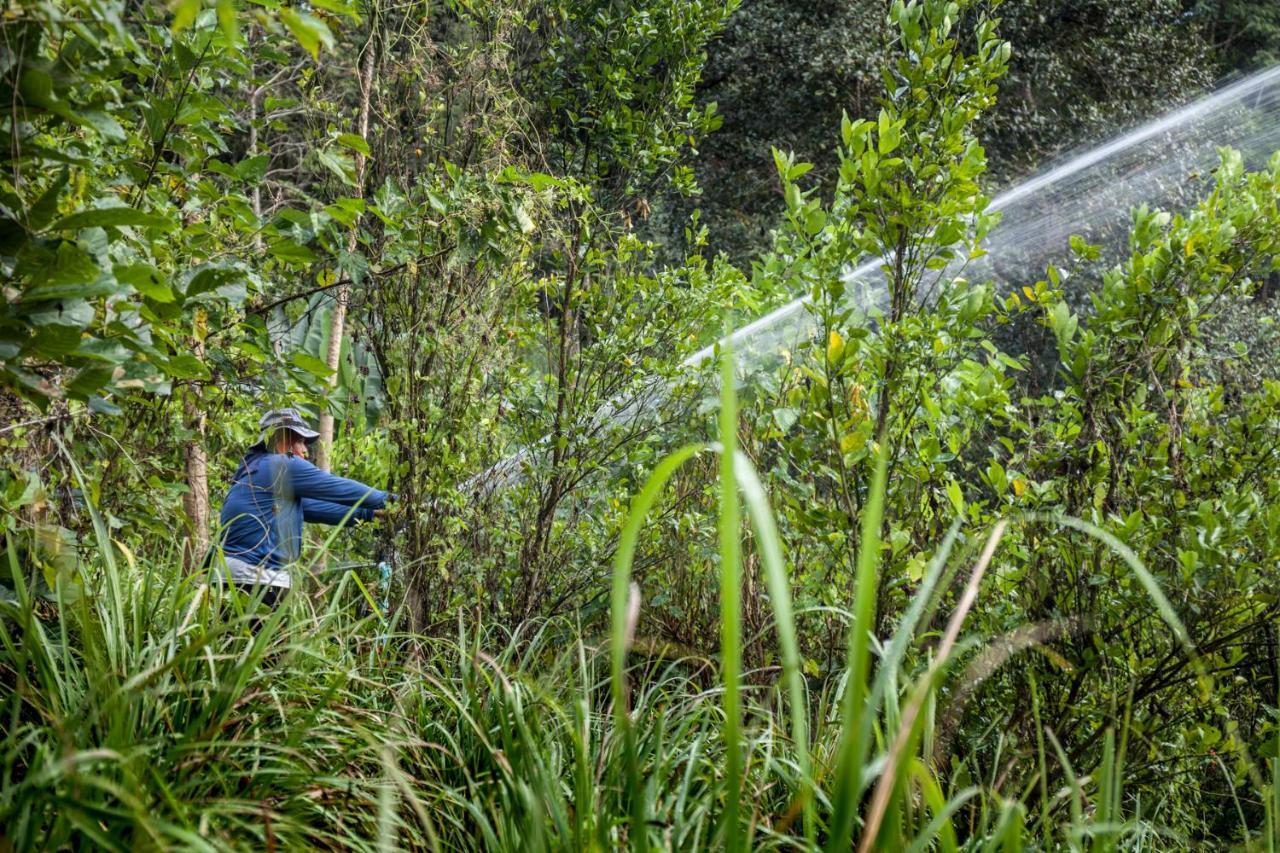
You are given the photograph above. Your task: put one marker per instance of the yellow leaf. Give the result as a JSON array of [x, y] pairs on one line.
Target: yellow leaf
[[856, 404], [835, 347], [853, 441], [1019, 486]]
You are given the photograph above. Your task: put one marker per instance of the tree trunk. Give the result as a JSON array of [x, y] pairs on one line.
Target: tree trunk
[[196, 500], [337, 325]]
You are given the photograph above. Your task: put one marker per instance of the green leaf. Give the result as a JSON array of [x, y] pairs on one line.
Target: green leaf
[[311, 364], [184, 14], [354, 265], [1009, 361], [799, 170], [78, 290], [186, 367], [346, 210], [43, 209], [109, 351], [89, 379], [36, 88], [890, 138], [54, 550], [355, 143], [252, 169], [291, 253], [108, 128], [227, 20], [785, 419], [339, 164], [211, 278], [56, 335], [61, 275], [114, 217], [815, 219], [310, 31], [338, 7], [35, 389], [145, 279], [104, 407]]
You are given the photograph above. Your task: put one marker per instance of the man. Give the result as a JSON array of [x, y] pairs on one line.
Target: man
[[273, 492]]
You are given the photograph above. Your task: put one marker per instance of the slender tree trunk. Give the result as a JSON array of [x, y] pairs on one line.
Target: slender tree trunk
[[337, 326], [276, 336], [196, 500]]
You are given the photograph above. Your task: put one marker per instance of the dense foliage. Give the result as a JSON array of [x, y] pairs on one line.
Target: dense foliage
[[785, 70], [966, 567]]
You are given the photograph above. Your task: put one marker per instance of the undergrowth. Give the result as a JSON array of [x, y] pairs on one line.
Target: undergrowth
[[155, 712]]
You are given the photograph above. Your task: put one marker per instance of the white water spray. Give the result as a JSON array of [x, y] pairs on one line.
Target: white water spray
[[1164, 163]]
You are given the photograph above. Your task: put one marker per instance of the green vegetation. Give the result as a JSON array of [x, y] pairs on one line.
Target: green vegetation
[[901, 586]]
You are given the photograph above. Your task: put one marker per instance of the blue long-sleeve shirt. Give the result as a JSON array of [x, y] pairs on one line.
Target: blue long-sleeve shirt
[[272, 494]]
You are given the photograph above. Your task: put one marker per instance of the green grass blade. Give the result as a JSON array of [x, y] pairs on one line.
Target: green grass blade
[[618, 640], [854, 742], [769, 542], [730, 536]]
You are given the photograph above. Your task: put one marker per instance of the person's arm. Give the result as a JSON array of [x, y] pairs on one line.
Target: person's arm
[[308, 481], [323, 512]]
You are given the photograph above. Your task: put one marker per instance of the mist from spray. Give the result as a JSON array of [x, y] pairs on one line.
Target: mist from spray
[[1165, 163]]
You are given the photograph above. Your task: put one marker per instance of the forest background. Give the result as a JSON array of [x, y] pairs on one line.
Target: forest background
[[455, 232]]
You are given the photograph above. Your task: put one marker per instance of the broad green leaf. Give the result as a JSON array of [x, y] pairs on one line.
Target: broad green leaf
[[89, 379], [354, 142], [211, 278], [36, 88], [69, 264], [184, 14], [99, 349], [339, 164], [354, 265], [108, 128], [815, 220], [252, 169], [785, 418], [42, 209], [71, 290], [105, 217], [186, 367], [310, 31], [70, 313], [346, 8], [52, 340], [227, 20], [311, 364], [54, 550], [145, 279], [290, 252], [346, 210], [104, 407]]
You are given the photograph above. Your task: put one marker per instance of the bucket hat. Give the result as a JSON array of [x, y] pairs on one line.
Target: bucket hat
[[290, 419]]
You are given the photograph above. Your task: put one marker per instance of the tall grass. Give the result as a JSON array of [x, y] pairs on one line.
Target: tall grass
[[147, 715]]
